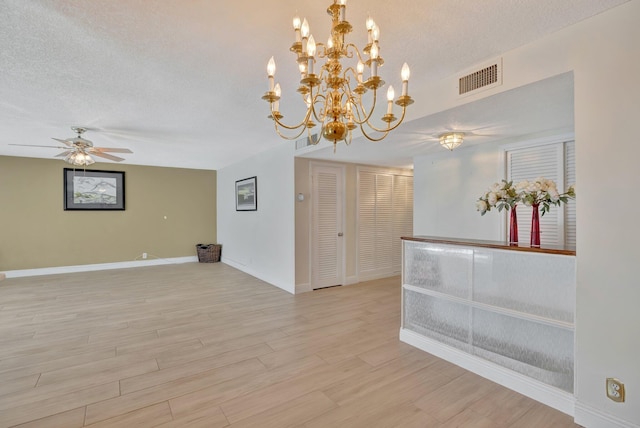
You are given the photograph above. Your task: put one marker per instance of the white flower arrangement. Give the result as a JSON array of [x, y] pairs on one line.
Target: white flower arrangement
[[541, 191], [501, 195]]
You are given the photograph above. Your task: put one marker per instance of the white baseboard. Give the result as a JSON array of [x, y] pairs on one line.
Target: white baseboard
[[370, 276], [589, 417], [100, 266], [303, 288], [549, 395], [350, 280]]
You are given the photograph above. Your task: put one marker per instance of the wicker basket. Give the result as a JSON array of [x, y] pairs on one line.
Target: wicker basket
[[209, 253]]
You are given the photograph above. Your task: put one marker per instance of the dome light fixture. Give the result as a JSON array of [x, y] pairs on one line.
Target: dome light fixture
[[451, 140]]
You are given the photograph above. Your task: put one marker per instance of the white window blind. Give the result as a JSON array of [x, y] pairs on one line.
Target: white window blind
[[570, 180], [555, 162], [385, 213]]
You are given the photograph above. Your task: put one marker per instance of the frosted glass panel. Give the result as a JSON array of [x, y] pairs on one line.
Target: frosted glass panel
[[442, 268], [542, 285], [438, 319], [507, 307], [537, 350]]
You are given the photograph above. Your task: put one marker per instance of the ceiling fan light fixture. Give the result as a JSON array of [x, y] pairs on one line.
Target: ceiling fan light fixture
[[451, 140], [79, 151], [79, 158]]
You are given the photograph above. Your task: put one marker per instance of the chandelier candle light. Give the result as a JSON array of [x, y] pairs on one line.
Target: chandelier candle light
[[333, 92]]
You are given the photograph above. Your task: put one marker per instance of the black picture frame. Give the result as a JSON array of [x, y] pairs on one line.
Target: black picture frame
[[93, 190], [247, 194]]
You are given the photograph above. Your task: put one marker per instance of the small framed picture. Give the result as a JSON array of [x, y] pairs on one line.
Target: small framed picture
[[93, 190], [247, 194]]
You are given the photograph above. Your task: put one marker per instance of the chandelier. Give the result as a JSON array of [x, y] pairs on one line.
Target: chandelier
[[333, 93]]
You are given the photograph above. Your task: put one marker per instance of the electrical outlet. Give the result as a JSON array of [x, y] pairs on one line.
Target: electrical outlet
[[615, 390], [144, 255]]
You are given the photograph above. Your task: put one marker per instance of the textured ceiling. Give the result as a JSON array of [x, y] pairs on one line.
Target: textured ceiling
[[179, 81]]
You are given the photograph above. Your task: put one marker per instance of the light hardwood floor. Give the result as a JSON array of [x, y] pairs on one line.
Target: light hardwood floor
[[206, 345]]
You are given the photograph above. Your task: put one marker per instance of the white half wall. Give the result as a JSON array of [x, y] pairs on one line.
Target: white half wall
[[261, 243], [602, 53]]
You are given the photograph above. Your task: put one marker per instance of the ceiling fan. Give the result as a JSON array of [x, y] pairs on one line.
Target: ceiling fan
[[79, 151]]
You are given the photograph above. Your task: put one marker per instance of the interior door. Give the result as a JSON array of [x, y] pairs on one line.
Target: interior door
[[327, 240]]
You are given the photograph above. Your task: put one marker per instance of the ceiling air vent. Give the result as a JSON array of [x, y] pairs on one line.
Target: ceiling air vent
[[305, 142], [484, 78]]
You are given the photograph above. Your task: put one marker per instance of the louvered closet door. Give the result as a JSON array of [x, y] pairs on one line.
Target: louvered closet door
[[384, 223], [327, 240], [366, 222], [528, 164], [385, 213], [375, 225]]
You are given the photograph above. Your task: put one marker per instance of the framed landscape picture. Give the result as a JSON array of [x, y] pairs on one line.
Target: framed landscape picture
[[93, 190], [247, 194]]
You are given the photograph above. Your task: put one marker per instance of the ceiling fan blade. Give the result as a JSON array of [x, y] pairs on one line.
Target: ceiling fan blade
[[107, 156], [33, 145], [64, 154], [63, 141], [111, 150]]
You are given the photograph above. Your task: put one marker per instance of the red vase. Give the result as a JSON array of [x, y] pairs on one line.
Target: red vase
[[535, 226], [513, 227]]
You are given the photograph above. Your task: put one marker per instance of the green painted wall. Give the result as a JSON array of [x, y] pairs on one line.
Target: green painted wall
[[36, 232]]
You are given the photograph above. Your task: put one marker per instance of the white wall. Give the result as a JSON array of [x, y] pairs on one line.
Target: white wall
[[603, 54], [260, 243], [446, 187], [607, 110]]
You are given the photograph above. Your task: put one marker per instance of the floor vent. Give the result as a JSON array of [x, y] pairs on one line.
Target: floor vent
[[306, 141], [484, 78]]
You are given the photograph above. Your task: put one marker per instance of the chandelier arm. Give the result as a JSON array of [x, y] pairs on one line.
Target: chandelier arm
[[312, 107], [350, 135], [277, 121], [360, 113], [360, 107], [295, 137], [355, 76], [390, 128], [310, 136], [370, 138], [322, 78], [355, 49], [323, 53], [321, 117]]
